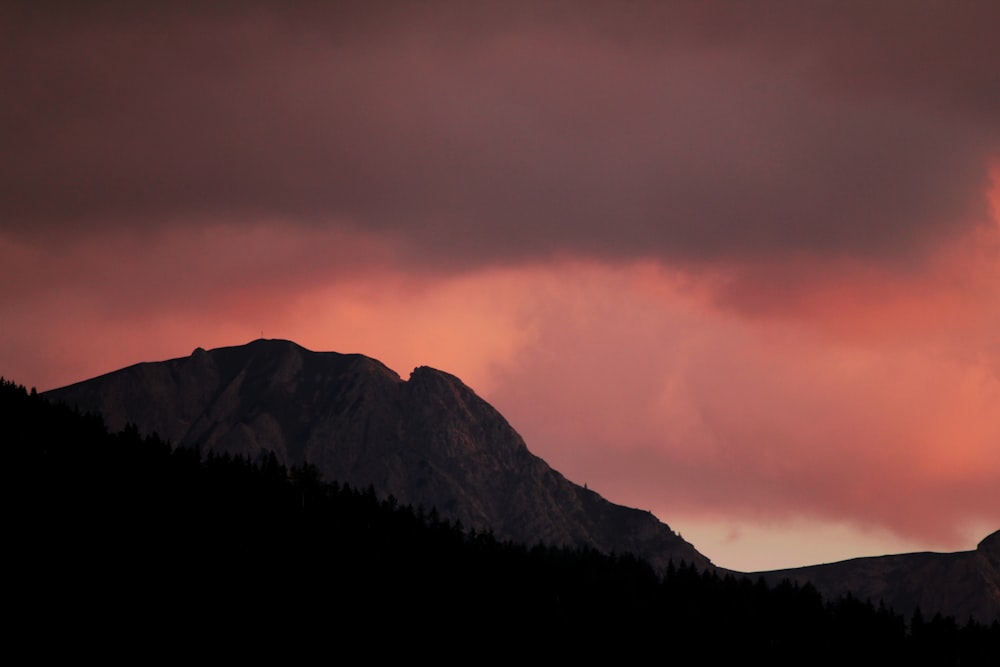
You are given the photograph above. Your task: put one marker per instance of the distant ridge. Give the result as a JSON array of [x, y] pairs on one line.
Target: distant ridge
[[428, 441], [962, 584]]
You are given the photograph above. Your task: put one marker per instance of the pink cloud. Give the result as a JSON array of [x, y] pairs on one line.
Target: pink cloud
[[709, 414]]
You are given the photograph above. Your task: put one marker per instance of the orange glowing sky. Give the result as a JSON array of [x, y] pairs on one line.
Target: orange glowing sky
[[738, 265]]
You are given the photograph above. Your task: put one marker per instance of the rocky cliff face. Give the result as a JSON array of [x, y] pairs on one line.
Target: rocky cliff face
[[959, 584], [428, 441]]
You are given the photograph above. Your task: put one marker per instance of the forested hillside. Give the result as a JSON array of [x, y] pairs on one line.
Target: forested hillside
[[115, 535]]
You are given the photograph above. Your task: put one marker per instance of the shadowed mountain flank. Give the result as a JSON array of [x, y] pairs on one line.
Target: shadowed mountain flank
[[429, 441]]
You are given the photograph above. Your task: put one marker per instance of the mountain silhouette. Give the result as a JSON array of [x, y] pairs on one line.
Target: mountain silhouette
[[428, 441]]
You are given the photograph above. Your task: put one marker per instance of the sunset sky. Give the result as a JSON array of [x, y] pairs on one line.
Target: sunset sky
[[737, 263]]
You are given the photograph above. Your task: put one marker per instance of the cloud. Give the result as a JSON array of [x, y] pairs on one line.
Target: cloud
[[673, 132], [632, 378], [653, 396], [728, 262]]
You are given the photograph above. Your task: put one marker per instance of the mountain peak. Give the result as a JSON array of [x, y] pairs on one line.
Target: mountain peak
[[430, 374], [258, 344], [429, 441]]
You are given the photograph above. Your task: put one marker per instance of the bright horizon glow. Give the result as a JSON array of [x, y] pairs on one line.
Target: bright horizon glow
[[753, 547]]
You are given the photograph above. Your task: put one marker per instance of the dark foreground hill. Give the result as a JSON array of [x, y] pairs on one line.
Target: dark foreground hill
[[428, 441], [118, 546]]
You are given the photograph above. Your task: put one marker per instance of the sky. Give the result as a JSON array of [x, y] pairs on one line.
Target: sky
[[736, 263]]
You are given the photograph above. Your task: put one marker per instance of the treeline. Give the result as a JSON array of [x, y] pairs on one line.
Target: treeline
[[117, 535]]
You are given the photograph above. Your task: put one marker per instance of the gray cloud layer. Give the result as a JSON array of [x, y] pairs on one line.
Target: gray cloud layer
[[682, 131]]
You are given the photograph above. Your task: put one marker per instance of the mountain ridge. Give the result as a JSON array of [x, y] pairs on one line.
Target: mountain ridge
[[428, 440], [960, 584]]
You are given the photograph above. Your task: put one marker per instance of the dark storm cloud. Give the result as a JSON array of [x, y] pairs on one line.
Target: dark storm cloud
[[677, 130]]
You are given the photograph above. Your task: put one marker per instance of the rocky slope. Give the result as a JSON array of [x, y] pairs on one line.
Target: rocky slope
[[430, 441], [959, 584]]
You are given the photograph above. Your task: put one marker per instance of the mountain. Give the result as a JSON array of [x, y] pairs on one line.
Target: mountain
[[959, 584], [428, 441]]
